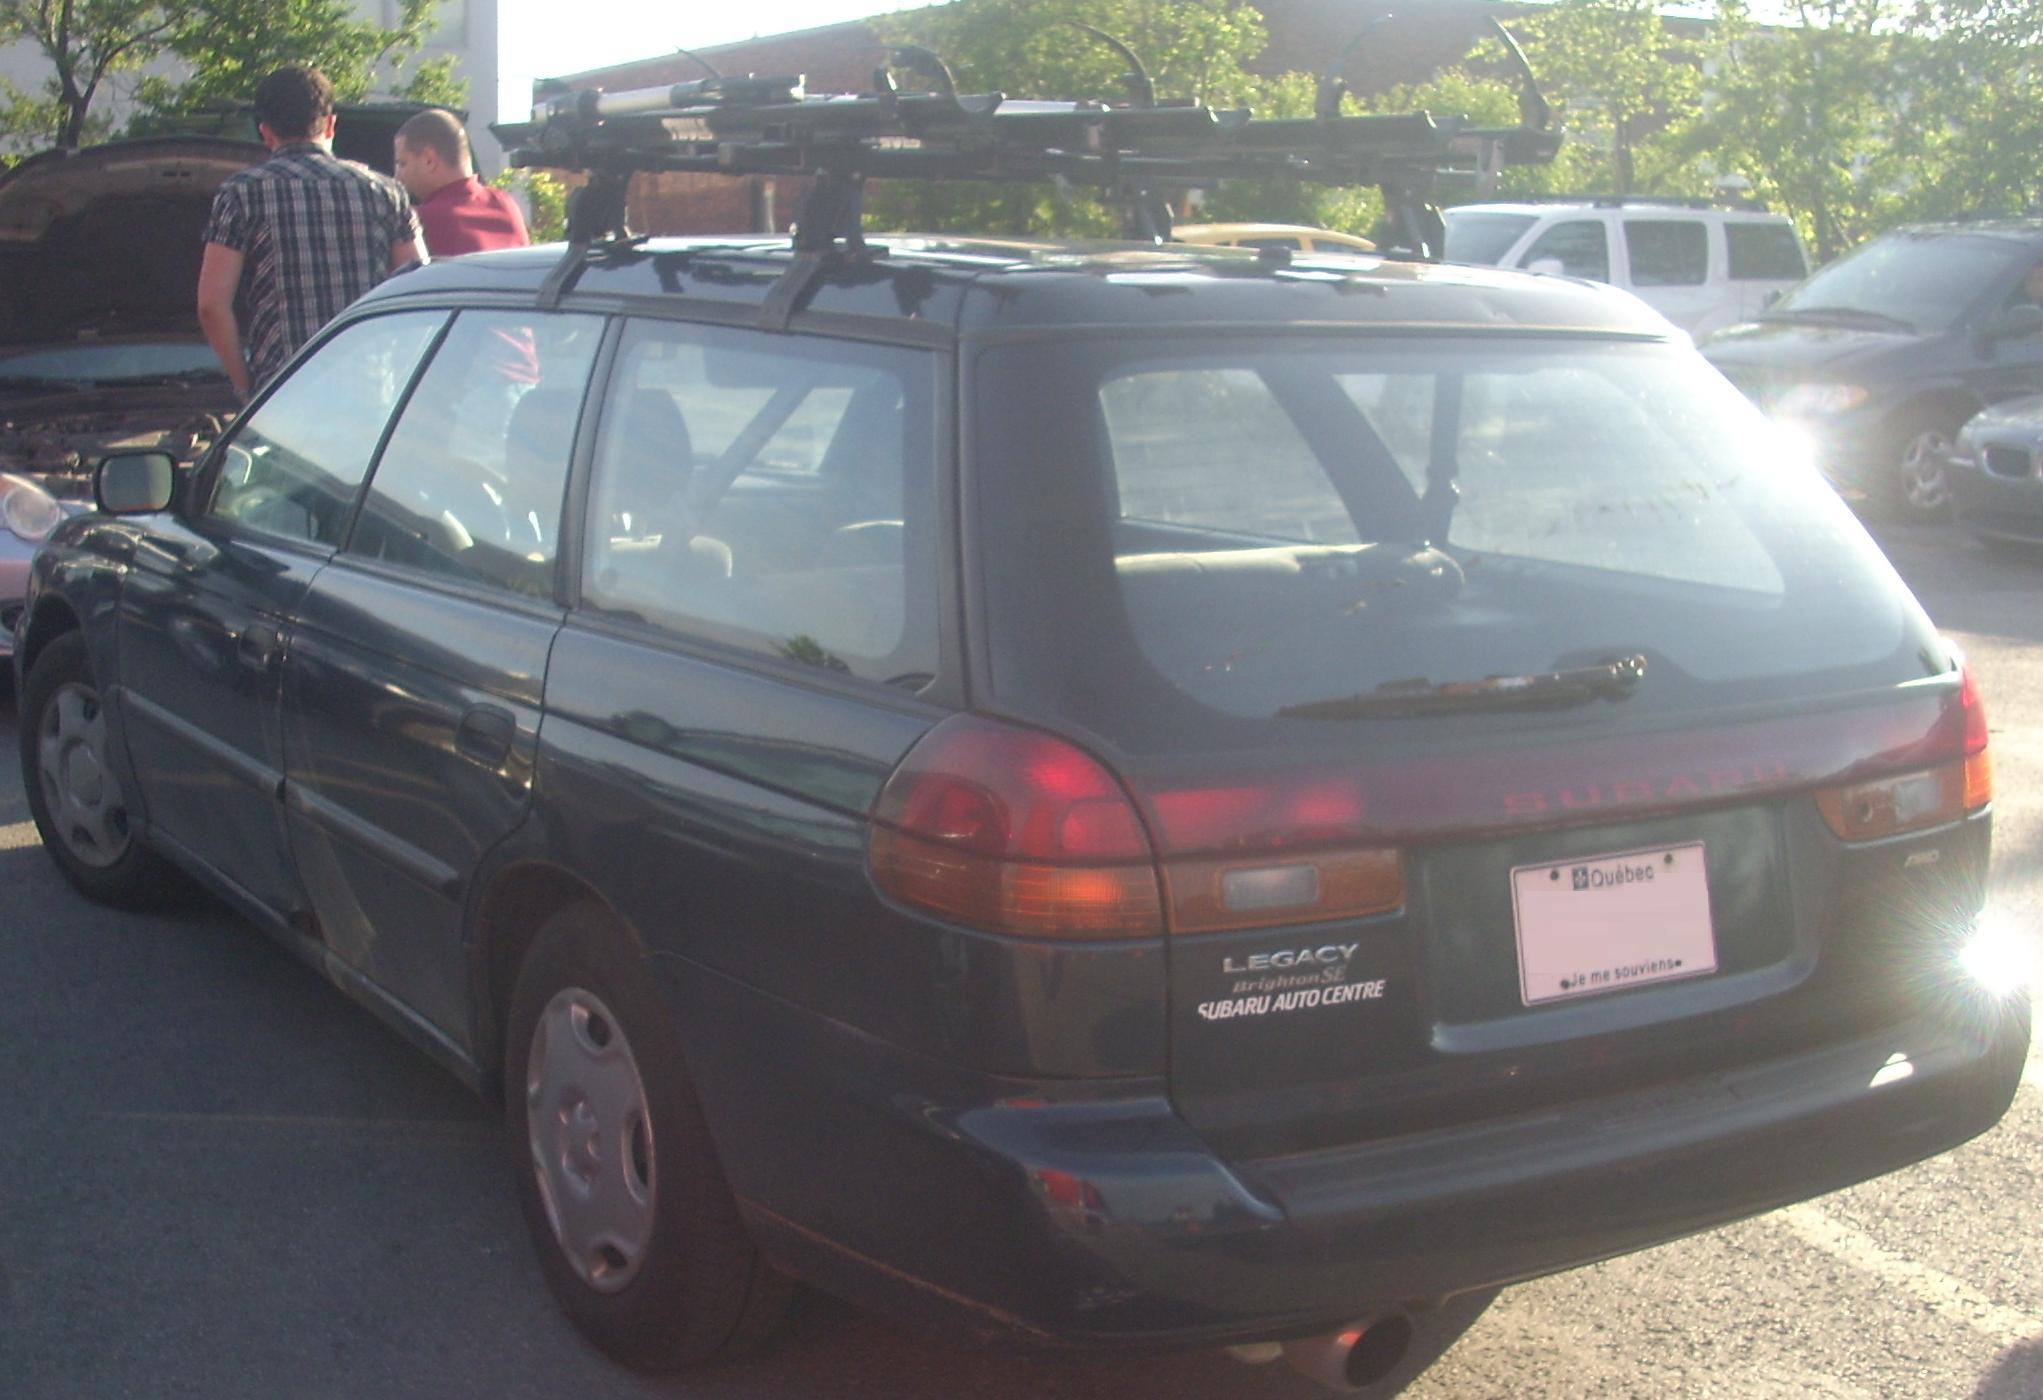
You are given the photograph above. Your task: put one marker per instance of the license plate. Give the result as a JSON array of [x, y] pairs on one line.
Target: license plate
[[1609, 922]]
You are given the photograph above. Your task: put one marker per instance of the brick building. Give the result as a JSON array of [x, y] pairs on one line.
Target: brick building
[[1303, 34]]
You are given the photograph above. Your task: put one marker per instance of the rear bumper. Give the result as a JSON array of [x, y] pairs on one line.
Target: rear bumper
[[1090, 1214]]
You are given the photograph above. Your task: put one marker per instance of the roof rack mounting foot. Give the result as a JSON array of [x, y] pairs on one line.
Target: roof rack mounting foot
[[829, 230], [595, 215]]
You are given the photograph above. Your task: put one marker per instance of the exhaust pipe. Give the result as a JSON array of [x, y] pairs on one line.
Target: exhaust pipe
[[1356, 1356]]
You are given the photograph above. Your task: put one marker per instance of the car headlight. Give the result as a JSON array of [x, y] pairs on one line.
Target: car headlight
[[27, 510], [1820, 400]]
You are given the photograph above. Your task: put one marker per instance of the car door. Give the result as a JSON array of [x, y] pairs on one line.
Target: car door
[[412, 688], [1668, 262], [205, 606], [2002, 367]]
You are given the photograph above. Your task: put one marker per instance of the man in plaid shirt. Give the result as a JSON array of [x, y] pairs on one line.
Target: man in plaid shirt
[[306, 233]]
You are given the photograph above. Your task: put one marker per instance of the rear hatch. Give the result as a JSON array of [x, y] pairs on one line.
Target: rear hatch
[[1515, 717]]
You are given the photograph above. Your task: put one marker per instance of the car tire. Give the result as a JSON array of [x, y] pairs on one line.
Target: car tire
[[1917, 482], [74, 787], [636, 1230]]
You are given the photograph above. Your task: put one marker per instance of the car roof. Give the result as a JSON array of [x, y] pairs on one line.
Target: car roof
[[1646, 206], [1254, 230], [2014, 227], [939, 287]]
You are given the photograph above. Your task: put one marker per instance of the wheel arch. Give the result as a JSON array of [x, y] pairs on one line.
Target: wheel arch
[[52, 618], [509, 910], [1952, 402]]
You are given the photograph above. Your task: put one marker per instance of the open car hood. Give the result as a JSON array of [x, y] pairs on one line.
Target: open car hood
[[105, 241]]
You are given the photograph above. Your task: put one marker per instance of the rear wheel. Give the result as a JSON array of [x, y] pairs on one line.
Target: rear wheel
[[636, 1231], [1919, 480], [75, 794]]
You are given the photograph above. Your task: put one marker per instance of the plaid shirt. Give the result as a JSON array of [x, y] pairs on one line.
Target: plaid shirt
[[315, 233]]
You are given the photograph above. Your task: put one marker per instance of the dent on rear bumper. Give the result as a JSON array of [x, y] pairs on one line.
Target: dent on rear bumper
[[1088, 1213]]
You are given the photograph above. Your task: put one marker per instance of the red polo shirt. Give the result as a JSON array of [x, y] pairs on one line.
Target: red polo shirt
[[467, 216]]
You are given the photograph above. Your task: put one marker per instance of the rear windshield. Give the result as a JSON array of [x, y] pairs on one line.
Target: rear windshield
[[1312, 531], [1483, 239]]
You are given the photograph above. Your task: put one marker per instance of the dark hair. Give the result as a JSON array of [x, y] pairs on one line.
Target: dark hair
[[293, 100], [439, 132]]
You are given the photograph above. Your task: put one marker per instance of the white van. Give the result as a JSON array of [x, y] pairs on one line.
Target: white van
[[1699, 266]]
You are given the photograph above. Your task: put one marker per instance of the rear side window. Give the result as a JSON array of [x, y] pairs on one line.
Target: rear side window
[[292, 467], [771, 493], [1581, 246], [470, 485], [1764, 252], [1668, 252]]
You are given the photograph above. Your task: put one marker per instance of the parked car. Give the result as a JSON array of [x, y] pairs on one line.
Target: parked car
[[1296, 238], [1341, 787], [1700, 266], [1996, 474], [99, 340], [1882, 355]]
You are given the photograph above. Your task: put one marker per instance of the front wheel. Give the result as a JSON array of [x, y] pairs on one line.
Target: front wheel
[[635, 1228], [1919, 485], [75, 794]]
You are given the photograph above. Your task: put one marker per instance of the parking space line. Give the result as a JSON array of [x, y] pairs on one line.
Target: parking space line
[[1948, 1297], [15, 835]]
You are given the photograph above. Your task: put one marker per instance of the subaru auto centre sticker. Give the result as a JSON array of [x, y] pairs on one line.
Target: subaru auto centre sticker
[[1294, 979]]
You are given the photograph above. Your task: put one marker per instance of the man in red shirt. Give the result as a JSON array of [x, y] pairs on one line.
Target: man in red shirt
[[460, 213]]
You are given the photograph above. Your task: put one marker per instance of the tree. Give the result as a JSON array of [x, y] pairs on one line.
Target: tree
[[86, 42], [1807, 113], [229, 45], [1625, 89]]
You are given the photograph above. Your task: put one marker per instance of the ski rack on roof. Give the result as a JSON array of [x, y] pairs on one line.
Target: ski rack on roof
[[772, 126]]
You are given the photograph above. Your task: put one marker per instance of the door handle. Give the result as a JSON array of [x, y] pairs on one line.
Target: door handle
[[257, 646], [485, 735]]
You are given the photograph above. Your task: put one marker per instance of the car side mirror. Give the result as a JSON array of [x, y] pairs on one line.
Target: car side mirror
[[135, 483], [1552, 267], [1769, 299], [2014, 323]]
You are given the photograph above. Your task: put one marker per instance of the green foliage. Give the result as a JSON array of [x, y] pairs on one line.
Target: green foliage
[[230, 45], [545, 201], [225, 47], [85, 42], [1627, 91]]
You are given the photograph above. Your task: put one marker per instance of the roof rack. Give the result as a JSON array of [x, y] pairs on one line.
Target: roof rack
[[1135, 151], [1648, 201]]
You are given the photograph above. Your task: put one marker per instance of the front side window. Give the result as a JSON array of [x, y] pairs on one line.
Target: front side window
[[1668, 252], [470, 485], [292, 467], [771, 493], [1581, 246], [1483, 238]]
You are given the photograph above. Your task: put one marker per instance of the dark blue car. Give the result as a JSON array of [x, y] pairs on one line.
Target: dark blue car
[[1118, 795]]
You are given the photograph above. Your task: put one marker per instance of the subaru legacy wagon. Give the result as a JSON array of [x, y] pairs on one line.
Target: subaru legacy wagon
[[1120, 796]]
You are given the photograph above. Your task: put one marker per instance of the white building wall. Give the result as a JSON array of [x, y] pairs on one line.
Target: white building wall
[[468, 31]]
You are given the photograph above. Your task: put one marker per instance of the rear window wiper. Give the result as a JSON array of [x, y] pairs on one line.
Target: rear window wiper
[[1608, 680]]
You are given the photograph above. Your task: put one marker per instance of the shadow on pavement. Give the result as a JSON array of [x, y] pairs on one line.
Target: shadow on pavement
[[2016, 1376]]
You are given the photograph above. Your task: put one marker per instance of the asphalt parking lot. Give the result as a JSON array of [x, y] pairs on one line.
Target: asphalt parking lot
[[219, 1178]]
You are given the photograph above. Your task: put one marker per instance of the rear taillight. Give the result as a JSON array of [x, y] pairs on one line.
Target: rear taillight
[[1894, 805], [1014, 831]]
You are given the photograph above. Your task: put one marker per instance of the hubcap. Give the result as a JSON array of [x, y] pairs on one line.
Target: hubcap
[[86, 807], [1924, 483], [591, 1139]]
